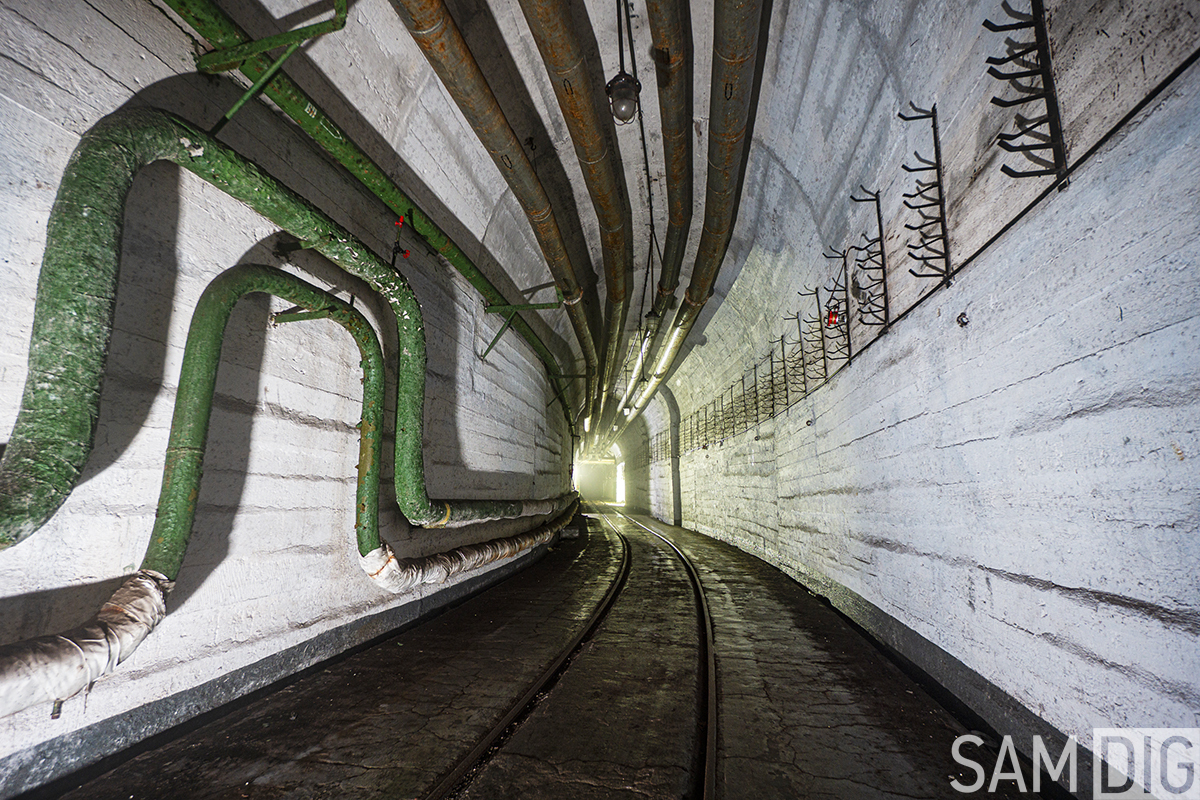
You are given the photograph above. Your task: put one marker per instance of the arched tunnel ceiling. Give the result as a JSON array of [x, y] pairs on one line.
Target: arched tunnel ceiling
[[374, 80], [833, 77]]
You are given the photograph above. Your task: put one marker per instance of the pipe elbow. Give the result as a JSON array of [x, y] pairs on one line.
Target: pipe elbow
[[54, 668]]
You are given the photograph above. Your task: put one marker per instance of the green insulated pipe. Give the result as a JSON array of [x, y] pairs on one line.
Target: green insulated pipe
[[222, 32], [55, 667], [193, 407], [76, 297]]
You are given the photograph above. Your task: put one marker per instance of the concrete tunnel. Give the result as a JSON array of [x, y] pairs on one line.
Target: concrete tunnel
[[899, 298]]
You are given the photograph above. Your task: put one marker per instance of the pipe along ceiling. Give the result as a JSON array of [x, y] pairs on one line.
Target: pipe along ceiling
[[736, 32], [76, 299]]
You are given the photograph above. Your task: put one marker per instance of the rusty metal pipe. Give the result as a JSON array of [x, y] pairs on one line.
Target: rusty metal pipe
[[672, 41], [439, 38], [672, 52], [736, 26], [559, 44]]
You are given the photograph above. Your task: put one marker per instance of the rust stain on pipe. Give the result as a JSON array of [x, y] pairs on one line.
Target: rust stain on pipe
[[439, 38], [673, 63], [559, 44]]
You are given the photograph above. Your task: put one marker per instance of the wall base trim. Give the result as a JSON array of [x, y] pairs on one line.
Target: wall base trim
[[56, 765]]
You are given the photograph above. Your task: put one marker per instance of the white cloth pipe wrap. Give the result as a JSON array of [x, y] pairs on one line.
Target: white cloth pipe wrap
[[397, 575], [57, 667]]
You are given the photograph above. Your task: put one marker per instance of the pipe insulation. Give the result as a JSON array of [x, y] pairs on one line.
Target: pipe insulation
[[193, 409], [671, 35], [53, 668], [401, 574], [435, 32], [220, 30], [76, 297]]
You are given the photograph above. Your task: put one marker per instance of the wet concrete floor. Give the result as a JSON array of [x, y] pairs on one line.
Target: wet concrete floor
[[807, 707]]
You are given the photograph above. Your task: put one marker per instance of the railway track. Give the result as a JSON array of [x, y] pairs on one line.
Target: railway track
[[453, 783], [591, 674], [547, 715], [705, 622]]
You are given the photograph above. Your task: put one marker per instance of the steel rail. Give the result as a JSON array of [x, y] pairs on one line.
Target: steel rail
[[710, 662], [498, 734]]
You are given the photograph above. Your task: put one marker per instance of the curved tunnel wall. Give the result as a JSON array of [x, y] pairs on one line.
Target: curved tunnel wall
[[1008, 499], [1014, 497], [271, 581]]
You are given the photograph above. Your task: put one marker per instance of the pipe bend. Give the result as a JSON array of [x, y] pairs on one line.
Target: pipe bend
[[396, 575], [55, 428]]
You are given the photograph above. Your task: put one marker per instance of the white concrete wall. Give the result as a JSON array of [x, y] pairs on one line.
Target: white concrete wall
[[661, 487], [635, 454], [1021, 492], [272, 563]]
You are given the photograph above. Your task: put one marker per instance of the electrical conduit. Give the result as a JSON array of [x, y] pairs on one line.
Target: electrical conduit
[[736, 26], [673, 64]]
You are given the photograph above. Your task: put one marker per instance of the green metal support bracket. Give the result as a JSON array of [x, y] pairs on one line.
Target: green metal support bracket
[[232, 57], [500, 308], [557, 395], [256, 89], [499, 333], [511, 310], [299, 316]]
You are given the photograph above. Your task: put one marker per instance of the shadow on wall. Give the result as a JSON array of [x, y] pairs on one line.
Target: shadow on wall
[[136, 362], [381, 149], [134, 378]]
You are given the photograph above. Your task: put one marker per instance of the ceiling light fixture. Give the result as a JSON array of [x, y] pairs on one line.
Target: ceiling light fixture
[[623, 89], [623, 95]]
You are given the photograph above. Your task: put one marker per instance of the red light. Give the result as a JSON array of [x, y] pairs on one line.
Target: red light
[[831, 320]]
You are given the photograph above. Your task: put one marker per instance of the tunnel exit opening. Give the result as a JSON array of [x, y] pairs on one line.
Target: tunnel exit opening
[[596, 480]]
